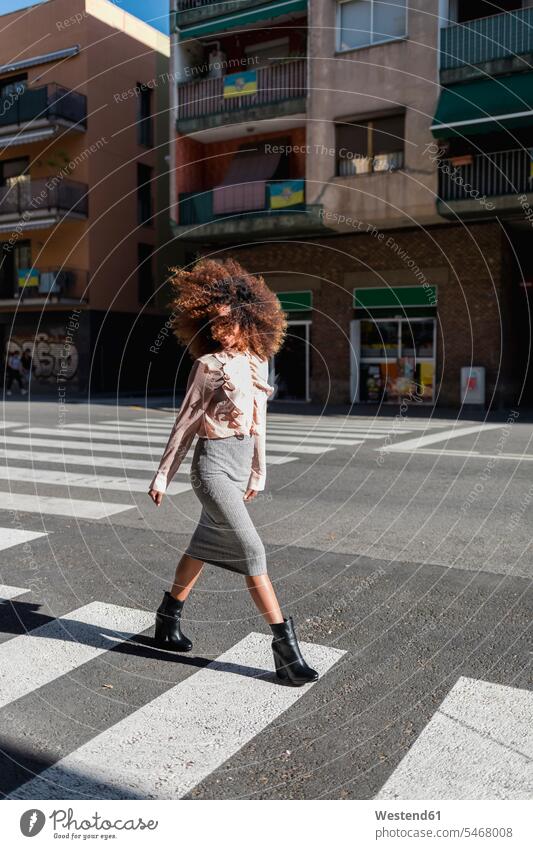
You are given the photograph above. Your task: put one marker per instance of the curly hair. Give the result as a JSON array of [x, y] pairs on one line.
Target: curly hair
[[213, 296]]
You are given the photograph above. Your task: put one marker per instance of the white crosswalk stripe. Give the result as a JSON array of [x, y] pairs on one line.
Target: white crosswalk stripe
[[72, 507], [102, 481], [80, 445], [14, 536], [478, 745], [96, 434], [40, 656], [442, 436], [115, 452], [7, 593], [208, 718]]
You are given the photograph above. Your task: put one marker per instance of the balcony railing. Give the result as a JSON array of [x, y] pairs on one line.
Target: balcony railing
[[358, 164], [254, 198], [53, 283], [475, 42], [186, 5], [35, 198], [46, 103], [506, 172], [275, 83]]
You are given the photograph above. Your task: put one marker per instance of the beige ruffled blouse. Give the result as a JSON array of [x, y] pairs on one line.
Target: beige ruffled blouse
[[226, 395]]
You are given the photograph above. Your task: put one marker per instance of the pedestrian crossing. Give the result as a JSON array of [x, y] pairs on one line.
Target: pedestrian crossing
[[217, 710], [98, 468], [478, 745], [184, 734], [44, 654]]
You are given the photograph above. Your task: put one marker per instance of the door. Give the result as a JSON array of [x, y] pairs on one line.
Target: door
[[393, 360], [290, 367]]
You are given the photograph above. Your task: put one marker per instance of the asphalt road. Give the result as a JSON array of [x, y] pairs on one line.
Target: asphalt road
[[401, 547]]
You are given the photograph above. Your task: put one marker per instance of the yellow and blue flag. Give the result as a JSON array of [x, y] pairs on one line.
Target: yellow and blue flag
[[243, 82], [287, 193], [28, 277]]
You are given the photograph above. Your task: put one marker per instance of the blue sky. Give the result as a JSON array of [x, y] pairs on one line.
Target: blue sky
[[154, 12]]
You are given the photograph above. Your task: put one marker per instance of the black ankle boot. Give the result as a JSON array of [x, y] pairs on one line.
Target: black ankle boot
[[168, 633], [291, 668]]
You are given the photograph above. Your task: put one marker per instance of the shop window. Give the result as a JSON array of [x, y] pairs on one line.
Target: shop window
[[361, 23], [395, 358], [369, 146]]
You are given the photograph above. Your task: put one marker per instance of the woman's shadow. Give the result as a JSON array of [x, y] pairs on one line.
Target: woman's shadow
[[20, 618]]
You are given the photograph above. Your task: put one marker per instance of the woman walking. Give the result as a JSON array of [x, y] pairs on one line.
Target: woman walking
[[231, 323]]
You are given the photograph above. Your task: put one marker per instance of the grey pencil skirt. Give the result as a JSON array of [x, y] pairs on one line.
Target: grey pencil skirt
[[225, 535]]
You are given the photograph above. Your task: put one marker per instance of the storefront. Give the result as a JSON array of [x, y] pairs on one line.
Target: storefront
[[393, 339], [290, 368]]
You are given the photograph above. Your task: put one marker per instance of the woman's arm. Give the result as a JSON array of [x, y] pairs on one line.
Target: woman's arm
[[200, 387], [257, 479]]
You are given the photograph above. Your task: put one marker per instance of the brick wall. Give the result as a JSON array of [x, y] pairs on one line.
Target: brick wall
[[465, 261]]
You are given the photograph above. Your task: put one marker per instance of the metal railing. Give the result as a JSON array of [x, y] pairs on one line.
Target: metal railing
[[504, 172], [276, 82], [186, 5], [475, 42], [358, 164], [197, 207], [47, 195], [47, 102], [54, 282]]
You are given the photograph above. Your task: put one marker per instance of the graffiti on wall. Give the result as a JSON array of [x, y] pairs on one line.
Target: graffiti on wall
[[52, 355]]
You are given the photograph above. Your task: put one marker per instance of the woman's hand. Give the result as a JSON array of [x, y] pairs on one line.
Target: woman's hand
[[156, 496], [249, 494]]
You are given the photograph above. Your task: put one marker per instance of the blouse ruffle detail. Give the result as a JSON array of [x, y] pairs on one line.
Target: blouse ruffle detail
[[238, 378]]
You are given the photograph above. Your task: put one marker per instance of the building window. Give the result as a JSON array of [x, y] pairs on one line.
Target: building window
[[361, 23], [144, 116], [144, 194], [368, 146], [145, 272]]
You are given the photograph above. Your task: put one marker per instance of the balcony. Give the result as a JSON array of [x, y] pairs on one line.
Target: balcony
[[280, 89], [477, 185], [27, 204], [273, 208], [190, 12], [33, 114], [505, 39], [43, 285]]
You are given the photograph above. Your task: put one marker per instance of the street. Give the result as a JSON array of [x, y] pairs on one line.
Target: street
[[400, 545]]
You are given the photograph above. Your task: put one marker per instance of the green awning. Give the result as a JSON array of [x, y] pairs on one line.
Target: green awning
[[296, 301], [241, 19], [395, 296], [485, 106]]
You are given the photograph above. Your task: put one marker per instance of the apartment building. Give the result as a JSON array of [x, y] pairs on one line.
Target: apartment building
[[84, 194], [373, 161]]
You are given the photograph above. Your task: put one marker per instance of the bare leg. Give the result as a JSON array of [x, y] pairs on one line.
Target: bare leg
[[264, 597], [187, 573]]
